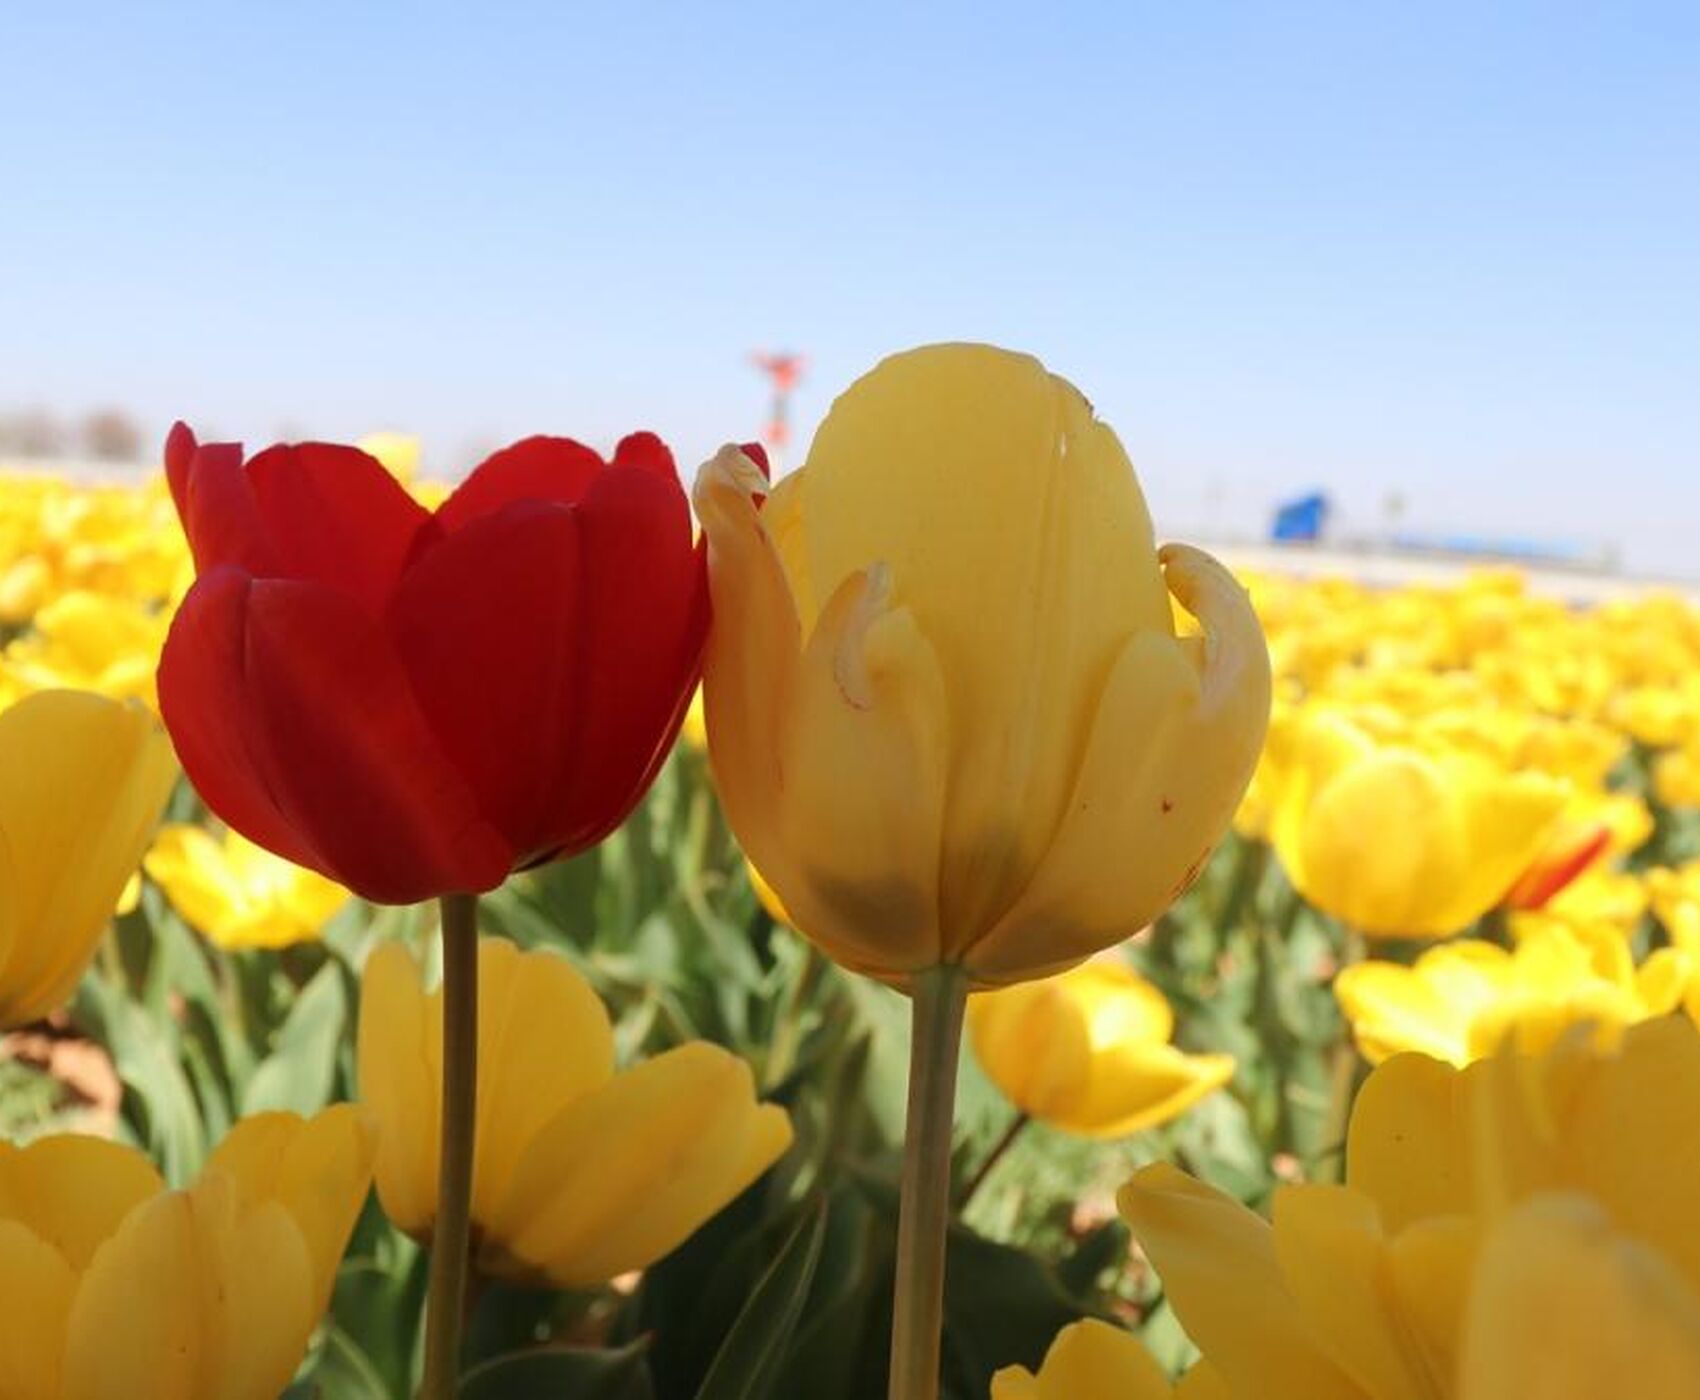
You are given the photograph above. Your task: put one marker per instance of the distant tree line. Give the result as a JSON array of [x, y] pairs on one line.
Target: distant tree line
[[105, 435]]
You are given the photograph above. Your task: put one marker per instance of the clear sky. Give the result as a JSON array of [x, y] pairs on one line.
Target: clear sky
[[1451, 252]]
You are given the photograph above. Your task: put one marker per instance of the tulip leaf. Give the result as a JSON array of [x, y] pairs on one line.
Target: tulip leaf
[[562, 1373], [299, 1074], [750, 1358]]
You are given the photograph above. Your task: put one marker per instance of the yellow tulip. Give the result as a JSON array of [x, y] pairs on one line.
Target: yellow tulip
[[1676, 776], [1487, 1213], [580, 1173], [1402, 842], [90, 641], [113, 1288], [1091, 1360], [1463, 1000], [1675, 897], [1088, 1051], [953, 723], [82, 782], [236, 893]]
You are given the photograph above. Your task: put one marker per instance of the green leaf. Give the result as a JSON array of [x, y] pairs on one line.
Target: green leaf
[[750, 1358], [299, 1074], [562, 1373]]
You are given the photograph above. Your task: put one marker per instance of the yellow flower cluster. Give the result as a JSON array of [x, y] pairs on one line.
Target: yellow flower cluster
[[1519, 1230], [87, 576], [1438, 753]]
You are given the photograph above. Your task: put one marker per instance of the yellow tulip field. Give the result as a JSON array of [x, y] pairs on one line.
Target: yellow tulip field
[[1353, 1058]]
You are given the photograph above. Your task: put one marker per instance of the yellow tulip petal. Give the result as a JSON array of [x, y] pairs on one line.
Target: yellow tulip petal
[[1428, 1269], [397, 1054], [544, 1040], [1171, 748], [134, 1331], [1089, 1360], [1407, 1147], [1133, 1087], [1329, 1242], [36, 1289], [624, 1174], [861, 746], [1034, 1043], [1600, 1124], [73, 1191], [82, 781], [259, 1299], [748, 670], [318, 1169], [1219, 1268], [1563, 1309]]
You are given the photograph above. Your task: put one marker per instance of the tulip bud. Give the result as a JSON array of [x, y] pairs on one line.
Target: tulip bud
[[948, 714]]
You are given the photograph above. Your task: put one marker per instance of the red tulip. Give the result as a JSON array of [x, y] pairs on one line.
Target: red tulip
[[415, 704]]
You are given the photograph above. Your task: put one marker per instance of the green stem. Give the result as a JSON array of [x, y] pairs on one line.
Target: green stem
[[1343, 1079], [992, 1158], [940, 996], [450, 1235]]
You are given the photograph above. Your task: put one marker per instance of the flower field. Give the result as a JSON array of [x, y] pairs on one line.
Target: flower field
[[1379, 1081]]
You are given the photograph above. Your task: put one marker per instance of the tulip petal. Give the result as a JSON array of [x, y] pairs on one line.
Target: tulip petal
[[203, 698], [1407, 1147], [1089, 1360], [499, 683], [621, 1176], [342, 746], [1202, 1382], [544, 1040], [135, 1330], [863, 751], [36, 1290], [642, 641], [1170, 752], [533, 469], [398, 1058], [336, 517], [318, 1169], [1133, 1087], [82, 783], [73, 1191], [1600, 1124], [1034, 1043], [748, 670], [1219, 1267], [1624, 1321], [215, 501], [1332, 1254]]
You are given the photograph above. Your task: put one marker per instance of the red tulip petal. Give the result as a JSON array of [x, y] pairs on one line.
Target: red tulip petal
[[647, 451], [337, 517], [535, 468], [349, 757], [486, 626], [180, 449], [216, 504], [204, 700], [640, 649]]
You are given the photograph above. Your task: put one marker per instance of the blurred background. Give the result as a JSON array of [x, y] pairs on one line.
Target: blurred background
[[1426, 278]]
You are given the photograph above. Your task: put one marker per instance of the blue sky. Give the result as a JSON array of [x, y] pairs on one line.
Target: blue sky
[[1448, 252]]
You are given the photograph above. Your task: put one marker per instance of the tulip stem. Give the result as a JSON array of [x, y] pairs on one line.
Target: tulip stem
[[1016, 1126], [940, 997], [449, 1236]]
